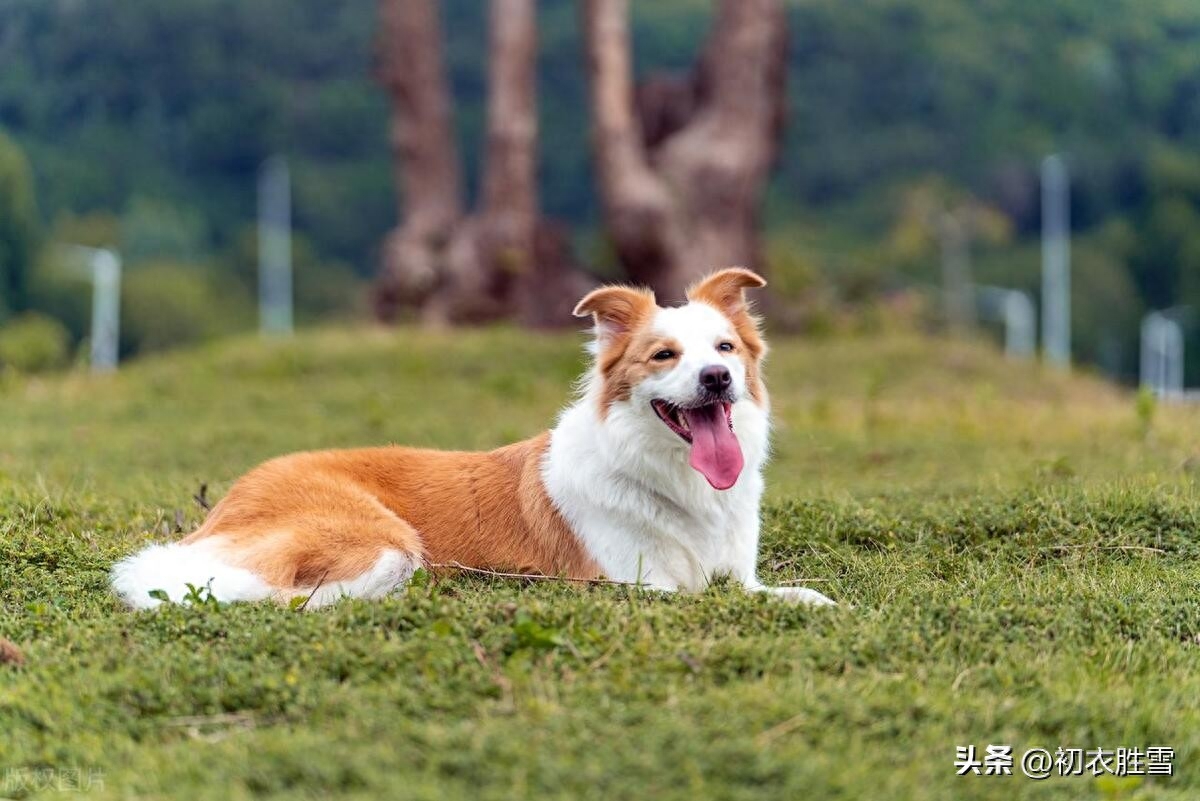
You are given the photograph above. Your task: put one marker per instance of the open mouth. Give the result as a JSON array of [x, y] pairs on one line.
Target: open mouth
[[679, 418], [708, 429]]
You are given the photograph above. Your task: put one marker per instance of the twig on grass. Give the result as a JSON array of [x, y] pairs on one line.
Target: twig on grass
[[223, 719], [213, 728], [529, 576], [1066, 547], [778, 730], [304, 605], [201, 498]]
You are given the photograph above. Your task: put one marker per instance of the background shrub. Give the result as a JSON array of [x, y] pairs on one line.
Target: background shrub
[[34, 343], [168, 305]]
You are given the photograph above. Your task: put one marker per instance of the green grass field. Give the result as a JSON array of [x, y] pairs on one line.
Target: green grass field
[[1015, 552]]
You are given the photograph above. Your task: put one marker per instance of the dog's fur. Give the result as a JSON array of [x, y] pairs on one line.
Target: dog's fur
[[617, 489]]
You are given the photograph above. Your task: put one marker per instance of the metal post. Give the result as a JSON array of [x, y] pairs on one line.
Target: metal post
[[106, 310], [1020, 330], [1016, 310], [274, 247], [1173, 356], [1151, 356], [103, 267], [1161, 365], [1056, 263]]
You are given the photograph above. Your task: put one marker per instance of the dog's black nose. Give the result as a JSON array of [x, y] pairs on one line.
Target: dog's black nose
[[715, 378]]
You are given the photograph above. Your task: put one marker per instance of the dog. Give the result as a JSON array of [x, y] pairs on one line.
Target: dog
[[653, 475]]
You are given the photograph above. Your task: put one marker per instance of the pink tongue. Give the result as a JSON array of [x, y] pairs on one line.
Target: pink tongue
[[715, 449]]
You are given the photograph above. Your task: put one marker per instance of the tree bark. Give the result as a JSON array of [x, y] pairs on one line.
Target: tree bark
[[681, 182], [505, 260], [428, 171]]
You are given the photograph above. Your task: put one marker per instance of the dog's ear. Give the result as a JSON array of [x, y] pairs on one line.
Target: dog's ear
[[616, 309], [726, 289]]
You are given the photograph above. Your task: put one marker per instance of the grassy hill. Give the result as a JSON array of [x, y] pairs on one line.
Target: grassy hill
[[1014, 550]]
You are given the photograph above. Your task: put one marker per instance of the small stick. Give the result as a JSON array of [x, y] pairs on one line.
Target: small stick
[[1103, 548], [778, 730], [529, 576], [304, 605], [201, 498], [225, 719]]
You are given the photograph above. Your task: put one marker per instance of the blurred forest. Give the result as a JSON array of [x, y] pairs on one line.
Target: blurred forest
[[142, 124]]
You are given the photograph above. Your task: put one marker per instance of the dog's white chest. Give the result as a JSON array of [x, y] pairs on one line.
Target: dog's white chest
[[642, 512]]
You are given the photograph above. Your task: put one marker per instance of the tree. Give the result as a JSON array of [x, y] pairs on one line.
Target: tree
[[505, 260], [681, 170], [18, 227]]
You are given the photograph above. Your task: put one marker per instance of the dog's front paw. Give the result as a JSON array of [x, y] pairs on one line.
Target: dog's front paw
[[803, 595], [797, 595]]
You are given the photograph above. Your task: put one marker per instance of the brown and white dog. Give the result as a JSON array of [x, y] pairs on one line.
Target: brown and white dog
[[653, 475]]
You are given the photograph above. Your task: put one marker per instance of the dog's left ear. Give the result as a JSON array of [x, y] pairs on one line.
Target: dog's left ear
[[726, 289], [617, 309]]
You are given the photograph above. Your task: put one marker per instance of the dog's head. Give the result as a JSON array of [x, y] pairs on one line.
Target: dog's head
[[687, 366]]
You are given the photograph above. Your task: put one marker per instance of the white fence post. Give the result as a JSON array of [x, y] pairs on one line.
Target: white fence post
[[274, 247], [1162, 356], [106, 310], [103, 268], [1015, 309], [1056, 262]]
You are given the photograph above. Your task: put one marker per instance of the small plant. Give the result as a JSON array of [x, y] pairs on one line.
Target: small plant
[[1146, 404], [1059, 467], [196, 596], [201, 596], [528, 634]]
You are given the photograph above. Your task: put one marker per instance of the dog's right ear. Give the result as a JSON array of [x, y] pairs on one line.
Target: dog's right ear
[[617, 310]]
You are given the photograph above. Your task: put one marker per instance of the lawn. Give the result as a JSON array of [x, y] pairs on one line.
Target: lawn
[[1014, 550]]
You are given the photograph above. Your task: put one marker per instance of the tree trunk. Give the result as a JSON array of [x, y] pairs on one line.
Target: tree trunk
[[428, 172], [509, 210], [681, 182], [504, 260]]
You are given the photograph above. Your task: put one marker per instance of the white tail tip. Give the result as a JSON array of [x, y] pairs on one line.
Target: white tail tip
[[171, 568]]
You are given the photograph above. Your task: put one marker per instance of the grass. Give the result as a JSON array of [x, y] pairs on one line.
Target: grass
[[1015, 550]]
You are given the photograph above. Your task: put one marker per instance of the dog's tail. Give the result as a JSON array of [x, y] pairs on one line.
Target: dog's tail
[[201, 570], [177, 572]]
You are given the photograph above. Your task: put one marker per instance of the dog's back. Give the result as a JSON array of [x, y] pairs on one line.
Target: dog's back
[[323, 520]]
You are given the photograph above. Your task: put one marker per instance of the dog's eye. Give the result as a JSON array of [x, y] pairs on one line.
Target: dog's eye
[[725, 347], [663, 355]]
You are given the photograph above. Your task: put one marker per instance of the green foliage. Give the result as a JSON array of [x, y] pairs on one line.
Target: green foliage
[[121, 99], [154, 230], [60, 287], [201, 597], [321, 290], [1146, 404], [166, 305], [988, 594], [159, 115], [531, 636], [34, 343], [18, 226]]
